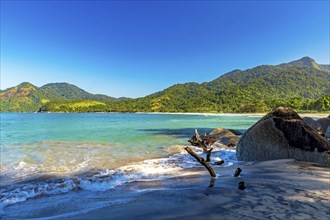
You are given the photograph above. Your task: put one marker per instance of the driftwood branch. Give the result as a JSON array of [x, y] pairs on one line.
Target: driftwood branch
[[212, 181], [197, 135], [207, 140], [208, 155], [196, 141], [203, 143], [202, 161]]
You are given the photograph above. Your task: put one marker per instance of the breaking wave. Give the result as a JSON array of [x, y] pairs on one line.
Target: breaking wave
[[106, 179]]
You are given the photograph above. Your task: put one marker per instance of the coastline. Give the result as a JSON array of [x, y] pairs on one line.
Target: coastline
[[312, 115], [298, 190], [278, 189], [275, 190]]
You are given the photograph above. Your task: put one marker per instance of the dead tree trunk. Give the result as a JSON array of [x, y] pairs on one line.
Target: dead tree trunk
[[197, 141], [197, 135], [208, 155], [202, 161], [212, 181]]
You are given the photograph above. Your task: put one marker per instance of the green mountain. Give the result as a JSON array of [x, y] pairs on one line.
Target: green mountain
[[304, 62], [28, 98], [259, 89], [68, 92], [301, 84]]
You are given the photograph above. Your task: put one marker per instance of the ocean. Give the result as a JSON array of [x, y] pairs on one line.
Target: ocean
[[50, 160]]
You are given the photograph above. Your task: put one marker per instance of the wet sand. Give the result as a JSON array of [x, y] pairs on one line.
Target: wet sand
[[279, 189]]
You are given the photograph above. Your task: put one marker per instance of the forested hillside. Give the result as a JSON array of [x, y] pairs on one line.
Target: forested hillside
[[301, 84], [28, 98], [297, 84]]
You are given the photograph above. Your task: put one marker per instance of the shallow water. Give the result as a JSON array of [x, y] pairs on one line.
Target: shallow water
[[58, 154]]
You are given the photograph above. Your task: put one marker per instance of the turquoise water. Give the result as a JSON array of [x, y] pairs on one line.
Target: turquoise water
[[28, 137], [49, 154]]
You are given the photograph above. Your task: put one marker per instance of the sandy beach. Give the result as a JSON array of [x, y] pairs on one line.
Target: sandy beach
[[171, 186], [312, 115], [279, 189]]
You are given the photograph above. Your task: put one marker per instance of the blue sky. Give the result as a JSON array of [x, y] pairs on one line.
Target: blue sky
[[135, 48]]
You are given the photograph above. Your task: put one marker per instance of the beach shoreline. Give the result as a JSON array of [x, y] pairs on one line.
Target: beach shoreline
[[275, 189], [312, 115]]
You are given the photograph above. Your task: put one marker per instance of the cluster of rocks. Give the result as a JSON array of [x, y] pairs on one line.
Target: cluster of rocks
[[321, 126], [283, 134]]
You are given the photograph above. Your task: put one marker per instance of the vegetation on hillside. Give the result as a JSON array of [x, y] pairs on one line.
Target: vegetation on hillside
[[75, 106], [159, 105], [28, 98], [302, 84]]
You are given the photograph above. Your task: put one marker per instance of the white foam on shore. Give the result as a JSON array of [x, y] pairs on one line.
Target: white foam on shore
[[110, 178]]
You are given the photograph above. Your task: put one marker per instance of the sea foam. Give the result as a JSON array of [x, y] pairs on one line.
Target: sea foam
[[102, 180]]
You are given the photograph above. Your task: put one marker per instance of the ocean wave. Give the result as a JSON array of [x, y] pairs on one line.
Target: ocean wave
[[106, 179]]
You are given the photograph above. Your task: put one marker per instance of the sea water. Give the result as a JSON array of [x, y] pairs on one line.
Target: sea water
[[47, 155]]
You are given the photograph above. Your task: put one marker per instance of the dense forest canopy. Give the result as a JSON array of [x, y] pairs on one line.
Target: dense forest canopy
[[302, 84]]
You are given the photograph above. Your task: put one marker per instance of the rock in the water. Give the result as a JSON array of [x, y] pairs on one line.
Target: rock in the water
[[282, 134], [325, 123], [224, 136]]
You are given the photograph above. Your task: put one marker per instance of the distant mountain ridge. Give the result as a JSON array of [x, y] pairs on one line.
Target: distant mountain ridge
[[257, 89], [29, 98], [261, 88], [70, 92]]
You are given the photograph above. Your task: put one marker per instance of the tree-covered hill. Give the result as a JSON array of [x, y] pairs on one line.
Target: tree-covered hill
[[301, 84], [69, 92], [28, 98], [257, 89]]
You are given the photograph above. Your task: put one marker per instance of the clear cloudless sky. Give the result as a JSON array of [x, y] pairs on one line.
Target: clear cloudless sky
[[135, 48]]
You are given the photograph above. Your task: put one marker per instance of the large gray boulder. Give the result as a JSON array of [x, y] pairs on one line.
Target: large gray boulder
[[282, 134]]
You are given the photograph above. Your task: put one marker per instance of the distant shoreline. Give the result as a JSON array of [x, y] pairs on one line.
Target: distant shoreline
[[312, 115]]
